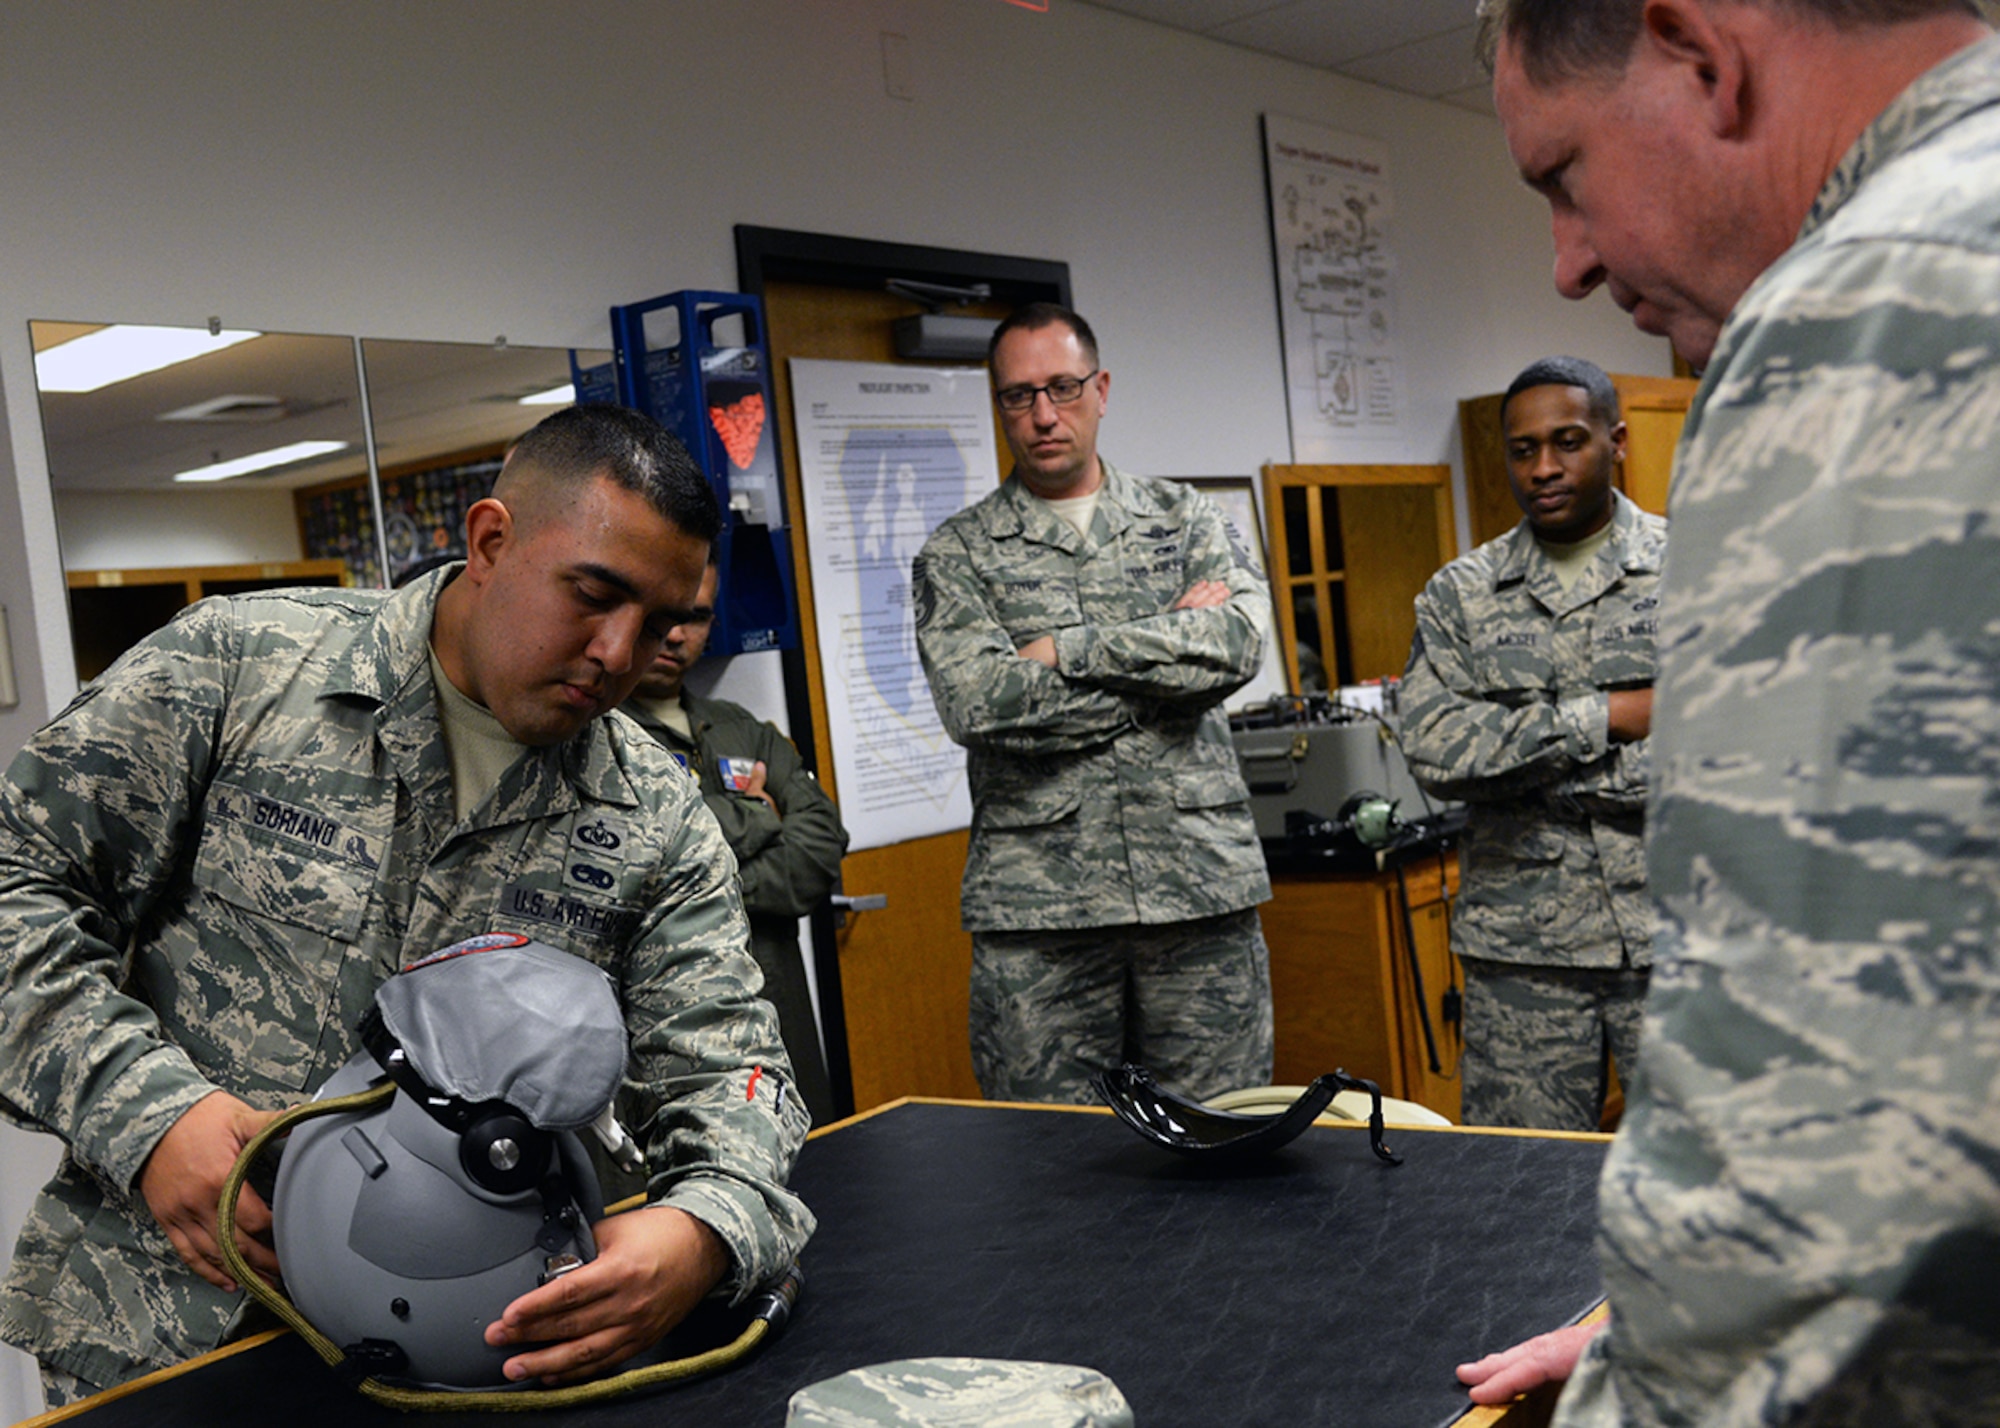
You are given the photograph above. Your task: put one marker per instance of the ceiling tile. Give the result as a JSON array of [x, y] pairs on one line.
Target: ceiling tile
[[1420, 47], [1197, 15], [1478, 99], [1328, 33], [1438, 65]]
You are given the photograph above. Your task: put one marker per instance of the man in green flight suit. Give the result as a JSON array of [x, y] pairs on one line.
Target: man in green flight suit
[[1080, 628], [1528, 695], [212, 858], [784, 830]]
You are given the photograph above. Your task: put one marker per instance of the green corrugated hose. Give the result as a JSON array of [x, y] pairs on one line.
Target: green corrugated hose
[[431, 1400]]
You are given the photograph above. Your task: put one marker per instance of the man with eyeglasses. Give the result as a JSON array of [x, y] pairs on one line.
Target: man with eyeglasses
[[1080, 628]]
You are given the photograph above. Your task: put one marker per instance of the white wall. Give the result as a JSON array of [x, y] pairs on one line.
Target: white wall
[[459, 170], [28, 1161], [456, 170], [138, 530]]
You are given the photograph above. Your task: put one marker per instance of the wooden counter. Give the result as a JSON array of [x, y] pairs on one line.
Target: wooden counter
[[1343, 991]]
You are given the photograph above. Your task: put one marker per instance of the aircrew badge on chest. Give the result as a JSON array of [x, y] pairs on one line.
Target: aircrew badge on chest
[[596, 848], [598, 835]]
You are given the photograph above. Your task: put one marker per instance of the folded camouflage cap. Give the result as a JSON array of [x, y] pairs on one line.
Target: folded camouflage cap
[[962, 1393]]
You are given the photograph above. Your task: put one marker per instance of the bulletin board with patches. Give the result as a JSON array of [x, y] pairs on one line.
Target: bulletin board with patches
[[423, 510]]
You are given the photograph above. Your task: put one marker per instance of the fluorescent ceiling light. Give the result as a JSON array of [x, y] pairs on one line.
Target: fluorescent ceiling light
[[234, 406], [112, 354], [554, 397], [262, 460]]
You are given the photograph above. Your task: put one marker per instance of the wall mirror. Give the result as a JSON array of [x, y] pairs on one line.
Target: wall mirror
[[239, 461]]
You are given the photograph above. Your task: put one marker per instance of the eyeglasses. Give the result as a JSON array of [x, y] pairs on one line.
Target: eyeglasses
[[1062, 391]]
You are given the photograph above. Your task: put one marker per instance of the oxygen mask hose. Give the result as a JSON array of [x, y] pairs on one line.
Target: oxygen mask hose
[[772, 1307]]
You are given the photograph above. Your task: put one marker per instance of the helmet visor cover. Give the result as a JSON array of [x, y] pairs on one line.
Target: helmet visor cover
[[501, 1018]]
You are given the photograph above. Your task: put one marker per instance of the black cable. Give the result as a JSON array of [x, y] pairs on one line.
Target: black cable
[[1452, 992], [1417, 971]]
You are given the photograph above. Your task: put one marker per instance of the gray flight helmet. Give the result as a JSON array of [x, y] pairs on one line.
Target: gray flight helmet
[[404, 1230]]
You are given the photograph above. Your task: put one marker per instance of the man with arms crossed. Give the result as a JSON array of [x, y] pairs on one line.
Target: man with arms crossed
[[777, 820], [1527, 695], [1081, 628], [1800, 1219], [213, 857]]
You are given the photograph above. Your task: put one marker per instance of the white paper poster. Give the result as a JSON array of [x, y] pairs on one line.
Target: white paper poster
[[886, 452], [1332, 213]]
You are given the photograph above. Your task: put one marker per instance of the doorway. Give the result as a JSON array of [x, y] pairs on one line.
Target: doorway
[[893, 980]]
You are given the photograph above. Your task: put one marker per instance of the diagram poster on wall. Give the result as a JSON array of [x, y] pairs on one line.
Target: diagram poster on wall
[[885, 453], [1332, 215]]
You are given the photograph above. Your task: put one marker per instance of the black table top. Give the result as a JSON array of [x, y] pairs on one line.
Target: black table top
[[1318, 1286]]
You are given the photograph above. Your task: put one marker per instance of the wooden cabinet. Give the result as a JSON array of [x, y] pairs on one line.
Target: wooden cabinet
[[1344, 992], [1351, 548], [1654, 409], [112, 610]]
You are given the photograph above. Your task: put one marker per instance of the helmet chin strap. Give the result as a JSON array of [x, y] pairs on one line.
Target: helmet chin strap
[[772, 1308], [617, 1141]]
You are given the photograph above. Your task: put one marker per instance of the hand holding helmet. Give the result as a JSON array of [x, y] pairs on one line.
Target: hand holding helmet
[[182, 1180], [652, 1267]]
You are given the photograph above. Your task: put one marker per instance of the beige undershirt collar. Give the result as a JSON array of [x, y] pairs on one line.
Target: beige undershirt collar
[[481, 749], [668, 711], [1570, 561], [1077, 510]]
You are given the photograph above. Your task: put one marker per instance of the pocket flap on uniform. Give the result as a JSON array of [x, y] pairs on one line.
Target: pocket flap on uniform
[[285, 863], [1536, 844], [1209, 785], [1030, 807]]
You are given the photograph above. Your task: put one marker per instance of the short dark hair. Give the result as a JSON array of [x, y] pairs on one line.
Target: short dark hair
[[1560, 40], [1569, 372], [631, 450], [1036, 315]]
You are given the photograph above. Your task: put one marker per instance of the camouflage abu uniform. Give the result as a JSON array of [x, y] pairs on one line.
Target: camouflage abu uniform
[[961, 1393], [213, 856], [1503, 706], [789, 861], [1803, 1204], [1106, 793]]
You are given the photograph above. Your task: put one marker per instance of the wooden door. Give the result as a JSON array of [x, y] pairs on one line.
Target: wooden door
[[1351, 548], [1655, 408], [904, 968], [1489, 498], [1397, 529]]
